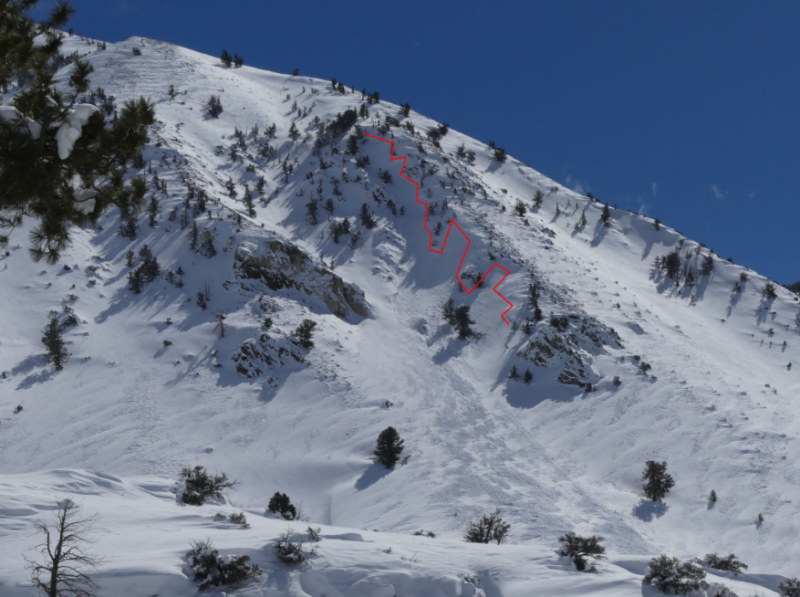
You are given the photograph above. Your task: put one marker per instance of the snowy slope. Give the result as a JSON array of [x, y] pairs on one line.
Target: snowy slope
[[719, 404]]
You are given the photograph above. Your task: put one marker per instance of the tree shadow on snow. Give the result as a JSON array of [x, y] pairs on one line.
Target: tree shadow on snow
[[647, 511], [453, 349], [374, 473]]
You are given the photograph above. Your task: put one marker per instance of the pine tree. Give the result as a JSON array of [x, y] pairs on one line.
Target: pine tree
[[231, 188], [658, 481], [582, 222], [129, 257], [579, 548], [500, 154], [135, 281], [520, 208], [606, 215], [449, 312], [152, 209], [538, 197], [311, 212], [201, 300], [226, 58], [352, 144], [171, 92], [656, 224], [708, 265], [463, 322], [294, 133], [388, 447], [207, 248], [304, 333], [488, 528], [193, 236], [51, 338], [214, 106], [528, 377], [513, 374], [367, 217], [36, 161], [248, 202], [712, 497]]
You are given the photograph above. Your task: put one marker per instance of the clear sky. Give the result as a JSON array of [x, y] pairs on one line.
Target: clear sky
[[687, 111]]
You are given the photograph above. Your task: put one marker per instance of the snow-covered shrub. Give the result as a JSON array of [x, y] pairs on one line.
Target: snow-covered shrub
[[212, 570], [729, 564], [281, 504], [388, 447], [790, 587], [579, 548], [313, 534], [672, 577], [289, 549], [199, 485], [240, 519], [488, 528]]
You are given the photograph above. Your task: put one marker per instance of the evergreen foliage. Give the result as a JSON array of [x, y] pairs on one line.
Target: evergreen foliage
[[51, 338], [500, 154], [605, 216], [789, 587], [212, 570], [207, 248], [35, 160], [668, 575], [463, 321], [579, 548], [367, 217], [768, 292], [199, 485], [658, 481], [729, 564], [388, 447], [214, 106], [281, 504], [304, 333], [449, 312]]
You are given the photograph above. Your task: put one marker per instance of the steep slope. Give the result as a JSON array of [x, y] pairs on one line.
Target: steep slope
[[718, 403]]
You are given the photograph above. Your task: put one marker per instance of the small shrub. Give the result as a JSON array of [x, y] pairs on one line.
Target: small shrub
[[579, 548], [281, 504], [211, 570], [240, 519], [789, 587], [488, 528], [670, 576], [768, 292], [167, 343], [313, 534], [199, 485], [729, 564], [289, 550], [304, 333]]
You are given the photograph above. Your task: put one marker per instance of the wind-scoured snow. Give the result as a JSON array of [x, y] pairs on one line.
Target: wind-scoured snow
[[719, 403]]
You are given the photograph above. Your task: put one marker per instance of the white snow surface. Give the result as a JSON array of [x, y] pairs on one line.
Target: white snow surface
[[114, 427]]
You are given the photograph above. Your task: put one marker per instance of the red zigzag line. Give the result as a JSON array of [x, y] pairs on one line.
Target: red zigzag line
[[452, 222]]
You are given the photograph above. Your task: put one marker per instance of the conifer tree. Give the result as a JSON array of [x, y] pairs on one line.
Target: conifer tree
[[248, 202], [294, 133], [520, 208], [538, 197], [658, 481], [463, 322], [606, 215], [59, 179], [528, 377], [656, 224], [500, 154], [135, 281], [708, 265], [304, 333], [449, 312], [171, 92], [513, 374], [352, 144], [207, 248], [388, 447], [367, 217], [152, 209], [51, 338], [226, 58]]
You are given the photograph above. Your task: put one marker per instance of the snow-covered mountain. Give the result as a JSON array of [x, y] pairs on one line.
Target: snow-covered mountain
[[631, 366]]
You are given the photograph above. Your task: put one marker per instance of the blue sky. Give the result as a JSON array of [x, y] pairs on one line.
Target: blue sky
[[687, 111]]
